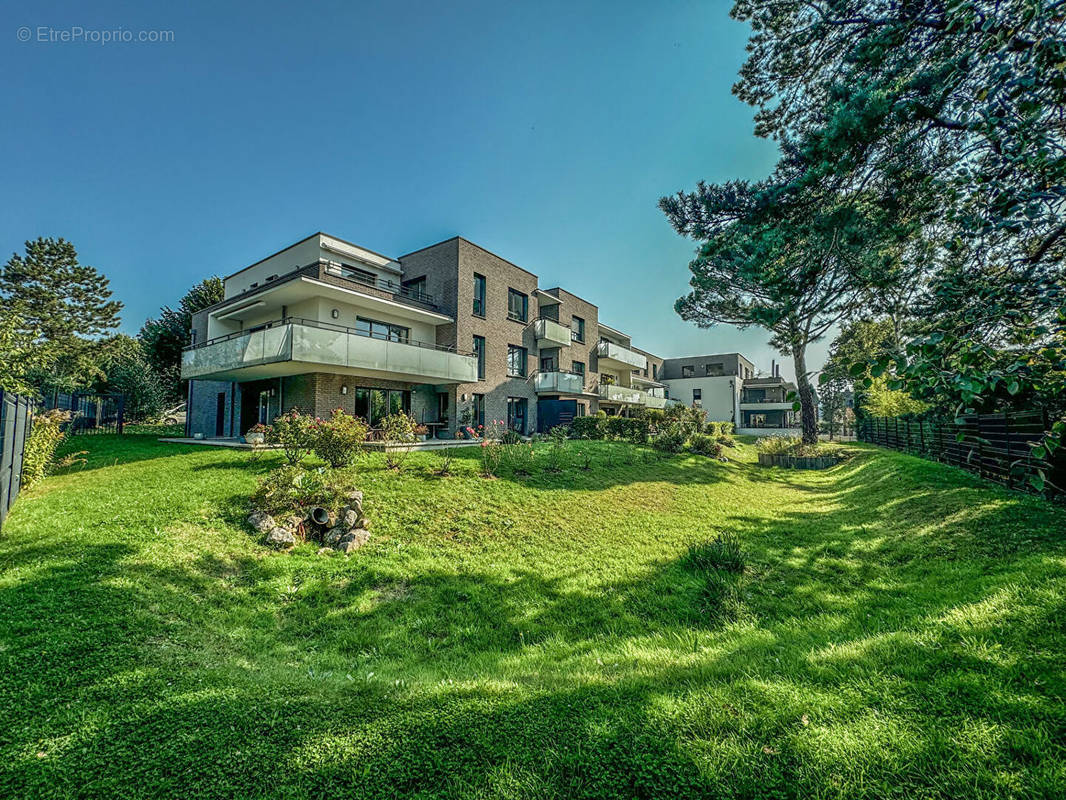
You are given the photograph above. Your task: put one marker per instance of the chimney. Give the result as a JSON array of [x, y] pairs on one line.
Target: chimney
[[773, 366]]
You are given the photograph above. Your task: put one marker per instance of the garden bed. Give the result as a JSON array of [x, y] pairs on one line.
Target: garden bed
[[789, 461]]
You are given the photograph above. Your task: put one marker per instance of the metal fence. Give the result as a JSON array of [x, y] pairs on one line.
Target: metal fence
[[14, 428], [994, 446], [90, 412]]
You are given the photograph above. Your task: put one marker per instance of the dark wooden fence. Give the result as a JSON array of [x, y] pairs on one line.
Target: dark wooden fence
[[990, 445], [14, 428], [90, 413]]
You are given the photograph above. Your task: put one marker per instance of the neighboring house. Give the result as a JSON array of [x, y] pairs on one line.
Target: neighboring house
[[726, 386], [452, 334]]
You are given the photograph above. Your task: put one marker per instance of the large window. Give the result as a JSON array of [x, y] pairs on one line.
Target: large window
[[479, 410], [686, 372], [517, 305], [697, 398], [714, 370], [577, 329], [516, 414], [374, 405], [382, 330], [479, 295], [547, 363], [579, 368], [416, 288], [516, 361], [479, 353]]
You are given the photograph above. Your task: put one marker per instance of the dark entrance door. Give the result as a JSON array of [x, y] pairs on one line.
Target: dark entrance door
[[220, 415], [552, 411]]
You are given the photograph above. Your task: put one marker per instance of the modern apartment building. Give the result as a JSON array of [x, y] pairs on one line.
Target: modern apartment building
[[452, 334], [727, 387]]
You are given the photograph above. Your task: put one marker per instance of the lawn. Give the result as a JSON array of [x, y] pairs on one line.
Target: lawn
[[899, 630]]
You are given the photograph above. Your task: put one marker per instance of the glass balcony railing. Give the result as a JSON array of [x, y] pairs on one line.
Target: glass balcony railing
[[550, 333], [623, 356], [559, 383], [269, 351]]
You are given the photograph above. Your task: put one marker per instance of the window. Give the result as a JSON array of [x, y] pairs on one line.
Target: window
[[547, 364], [655, 372], [479, 295], [479, 410], [697, 398], [381, 330], [516, 414], [578, 367], [714, 370], [479, 352], [517, 305], [416, 288], [686, 372], [516, 361], [582, 410], [374, 405], [577, 329]]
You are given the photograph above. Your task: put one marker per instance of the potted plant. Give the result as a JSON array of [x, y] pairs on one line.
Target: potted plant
[[257, 434], [421, 431]]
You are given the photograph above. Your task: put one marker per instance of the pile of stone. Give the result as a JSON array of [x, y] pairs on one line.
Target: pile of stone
[[344, 532]]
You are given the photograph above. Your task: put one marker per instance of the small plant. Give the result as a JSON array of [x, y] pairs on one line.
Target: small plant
[[339, 440], [586, 460], [259, 427], [294, 432], [723, 553], [558, 437], [521, 459], [779, 445], [444, 468], [726, 440], [511, 437], [291, 488], [46, 435], [398, 429], [490, 453], [705, 445], [671, 438]]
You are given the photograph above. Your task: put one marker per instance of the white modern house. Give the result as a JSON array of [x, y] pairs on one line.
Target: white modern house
[[727, 386]]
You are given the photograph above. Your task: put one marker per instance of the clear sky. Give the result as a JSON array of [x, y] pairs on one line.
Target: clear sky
[[543, 131]]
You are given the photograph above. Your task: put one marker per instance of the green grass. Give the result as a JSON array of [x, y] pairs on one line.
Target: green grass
[[898, 630]]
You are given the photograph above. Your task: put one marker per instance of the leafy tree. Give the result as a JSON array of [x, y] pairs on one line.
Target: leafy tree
[[795, 260], [961, 101], [834, 401], [164, 338], [17, 353], [130, 374], [60, 305]]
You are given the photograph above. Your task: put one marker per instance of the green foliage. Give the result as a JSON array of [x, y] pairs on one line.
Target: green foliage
[[129, 373], [339, 440], [46, 436], [54, 307], [17, 354], [592, 427], [880, 401], [723, 553], [671, 439], [292, 489], [510, 437], [164, 338], [294, 432], [779, 445], [705, 445], [490, 454]]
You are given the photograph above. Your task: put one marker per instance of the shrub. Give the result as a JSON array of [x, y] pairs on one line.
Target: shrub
[[705, 445], [338, 440], [520, 459], [398, 428], [510, 437], [671, 438], [779, 445], [588, 427], [294, 432], [490, 453], [726, 440], [722, 553], [727, 428], [291, 488], [46, 435]]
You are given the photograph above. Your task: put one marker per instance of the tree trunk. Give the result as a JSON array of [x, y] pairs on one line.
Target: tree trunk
[[808, 411]]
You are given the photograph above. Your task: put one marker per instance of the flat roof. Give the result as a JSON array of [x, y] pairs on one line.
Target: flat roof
[[301, 241]]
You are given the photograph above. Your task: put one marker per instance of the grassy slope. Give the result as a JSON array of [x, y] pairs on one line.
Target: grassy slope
[[899, 632]]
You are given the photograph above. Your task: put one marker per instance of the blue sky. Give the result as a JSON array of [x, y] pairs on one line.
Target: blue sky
[[543, 131]]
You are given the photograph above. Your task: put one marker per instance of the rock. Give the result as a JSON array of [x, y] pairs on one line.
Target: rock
[[350, 519], [334, 535], [325, 551], [356, 498], [295, 522], [280, 538], [261, 521], [353, 540]]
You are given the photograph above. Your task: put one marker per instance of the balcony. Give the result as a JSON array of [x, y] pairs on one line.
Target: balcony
[[558, 383], [293, 346], [749, 404], [614, 356], [550, 333], [655, 398], [610, 393]]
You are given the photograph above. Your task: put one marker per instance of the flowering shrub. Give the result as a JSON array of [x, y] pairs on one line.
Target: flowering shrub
[[520, 458], [338, 440], [490, 452], [259, 427], [294, 432]]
